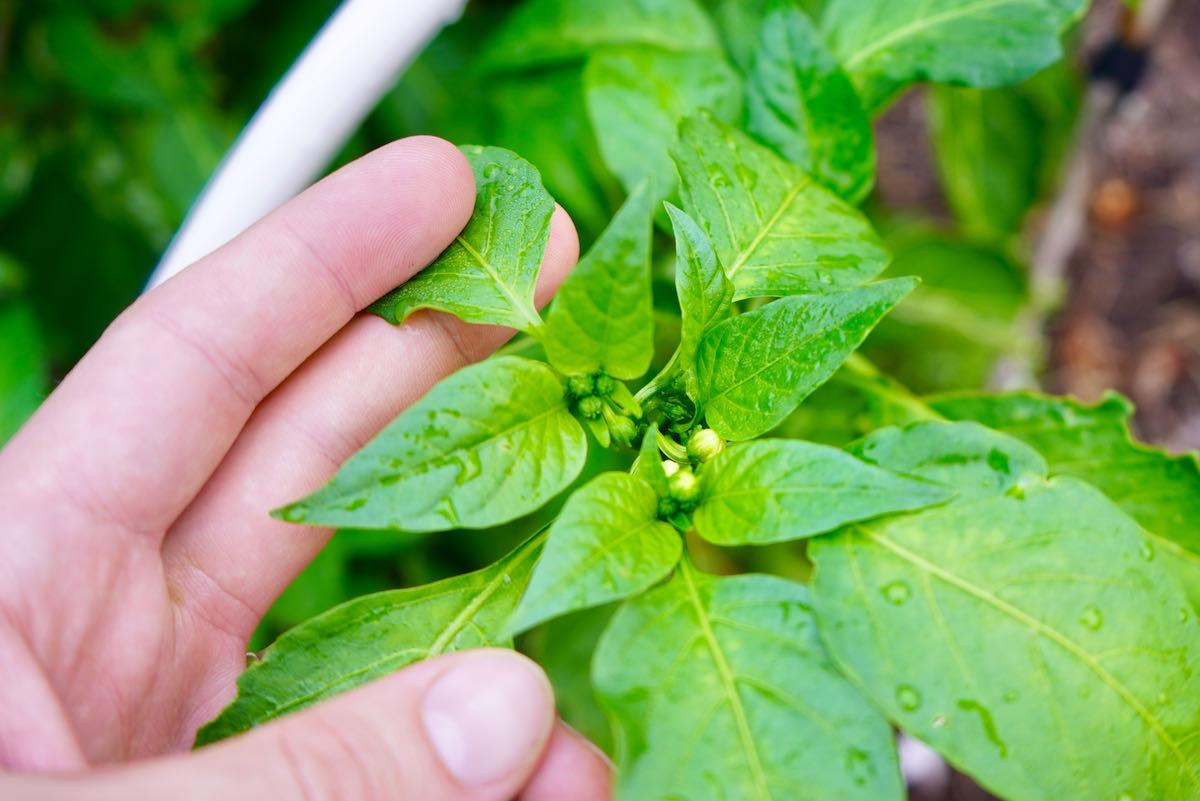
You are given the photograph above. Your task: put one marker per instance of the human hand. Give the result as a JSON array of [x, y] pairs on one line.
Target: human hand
[[139, 557]]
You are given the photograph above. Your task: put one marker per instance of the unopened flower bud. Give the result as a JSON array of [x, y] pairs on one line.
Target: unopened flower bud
[[667, 507], [591, 407], [704, 445], [670, 467], [623, 429], [581, 386], [684, 486], [605, 385]]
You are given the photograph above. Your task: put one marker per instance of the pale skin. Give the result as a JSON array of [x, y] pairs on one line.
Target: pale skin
[[138, 555]]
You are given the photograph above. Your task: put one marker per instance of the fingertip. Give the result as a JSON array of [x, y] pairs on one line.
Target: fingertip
[[572, 769], [562, 251]]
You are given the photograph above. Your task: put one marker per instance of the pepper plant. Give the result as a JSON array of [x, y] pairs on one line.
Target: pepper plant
[[1008, 577]]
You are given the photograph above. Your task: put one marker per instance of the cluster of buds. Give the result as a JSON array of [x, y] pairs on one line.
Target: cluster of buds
[[683, 485], [606, 407]]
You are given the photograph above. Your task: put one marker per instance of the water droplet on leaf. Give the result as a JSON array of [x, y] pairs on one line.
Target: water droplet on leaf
[[896, 592], [907, 697], [1092, 618]]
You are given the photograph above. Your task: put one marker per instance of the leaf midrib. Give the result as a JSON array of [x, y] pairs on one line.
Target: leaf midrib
[[452, 629], [753, 760], [522, 307], [768, 226], [917, 26], [1042, 629]]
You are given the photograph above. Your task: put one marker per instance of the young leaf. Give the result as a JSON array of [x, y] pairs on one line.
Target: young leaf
[[375, 635], [720, 688], [776, 231], [705, 292], [648, 466], [607, 544], [1094, 443], [754, 369], [636, 98], [546, 31], [800, 103], [754, 493], [886, 45], [1025, 634], [602, 318], [487, 275], [490, 443], [988, 156]]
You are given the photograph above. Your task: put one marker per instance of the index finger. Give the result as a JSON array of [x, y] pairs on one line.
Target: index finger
[[140, 423]]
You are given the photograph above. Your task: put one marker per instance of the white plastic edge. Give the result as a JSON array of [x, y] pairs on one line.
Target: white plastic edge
[[306, 119]]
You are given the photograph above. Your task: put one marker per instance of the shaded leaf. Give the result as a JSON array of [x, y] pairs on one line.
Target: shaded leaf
[[545, 31], [636, 98], [24, 381], [731, 695], [754, 369], [602, 318], [886, 45], [1024, 634], [801, 103], [490, 443], [775, 230], [488, 273], [372, 636], [774, 490], [607, 544]]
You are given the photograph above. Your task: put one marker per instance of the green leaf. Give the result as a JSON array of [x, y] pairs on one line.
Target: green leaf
[[705, 292], [603, 318], [776, 231], [1094, 443], [636, 98], [648, 466], [976, 461], [801, 103], [950, 331], [720, 688], [547, 31], [488, 273], [886, 45], [489, 444], [375, 635], [988, 156], [1026, 635], [754, 369], [773, 490], [543, 116], [23, 376], [607, 544]]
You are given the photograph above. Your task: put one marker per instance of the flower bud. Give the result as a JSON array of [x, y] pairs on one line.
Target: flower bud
[[704, 445], [581, 386], [670, 467], [605, 384], [591, 407], [623, 429], [684, 486], [667, 507]]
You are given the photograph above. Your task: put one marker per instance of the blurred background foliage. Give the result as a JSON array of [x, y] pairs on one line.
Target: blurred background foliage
[[114, 112]]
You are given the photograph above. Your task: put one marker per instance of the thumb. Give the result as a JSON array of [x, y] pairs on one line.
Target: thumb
[[469, 725]]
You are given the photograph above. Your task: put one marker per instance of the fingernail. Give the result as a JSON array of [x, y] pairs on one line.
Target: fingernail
[[488, 716]]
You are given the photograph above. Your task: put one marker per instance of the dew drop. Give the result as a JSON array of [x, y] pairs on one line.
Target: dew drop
[[939, 721], [1146, 551], [1092, 617], [1125, 797], [355, 505], [1183, 614], [491, 170], [858, 765], [907, 697], [896, 592]]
